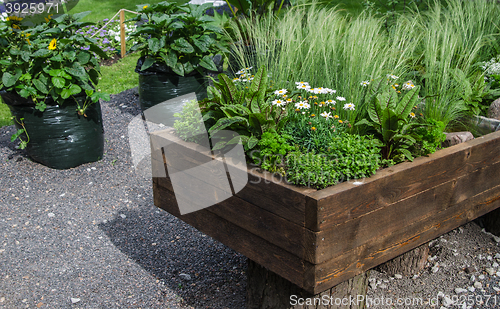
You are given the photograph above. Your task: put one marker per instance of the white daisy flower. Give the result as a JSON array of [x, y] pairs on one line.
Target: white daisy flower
[[301, 83], [408, 85], [280, 92], [302, 104], [340, 98], [279, 102], [365, 83], [330, 102], [326, 115], [304, 86], [349, 106], [392, 76], [330, 91]]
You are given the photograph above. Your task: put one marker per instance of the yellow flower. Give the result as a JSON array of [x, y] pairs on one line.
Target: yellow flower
[[336, 116], [144, 7], [313, 128], [340, 121], [15, 27], [412, 115], [312, 115], [53, 44]]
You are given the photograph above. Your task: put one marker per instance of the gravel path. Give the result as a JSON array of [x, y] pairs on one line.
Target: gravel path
[[90, 237]]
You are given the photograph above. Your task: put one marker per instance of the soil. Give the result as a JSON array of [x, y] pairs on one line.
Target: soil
[[111, 60]]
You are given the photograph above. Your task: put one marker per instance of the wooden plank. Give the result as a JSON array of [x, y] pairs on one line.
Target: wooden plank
[[263, 189], [343, 202], [285, 234], [261, 251], [378, 251], [422, 206]]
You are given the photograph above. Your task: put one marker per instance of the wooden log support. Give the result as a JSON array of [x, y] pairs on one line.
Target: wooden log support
[[267, 290], [317, 239]]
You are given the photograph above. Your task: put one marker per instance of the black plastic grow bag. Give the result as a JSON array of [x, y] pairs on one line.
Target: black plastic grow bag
[[158, 84], [59, 137]]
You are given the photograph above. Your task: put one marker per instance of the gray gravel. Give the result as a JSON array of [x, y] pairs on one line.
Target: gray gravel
[[90, 237]]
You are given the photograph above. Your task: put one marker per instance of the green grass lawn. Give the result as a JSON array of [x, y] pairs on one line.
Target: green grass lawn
[[120, 76], [5, 115], [107, 9]]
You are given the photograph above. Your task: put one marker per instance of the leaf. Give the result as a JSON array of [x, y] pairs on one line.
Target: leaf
[[228, 89], [16, 135], [55, 72], [94, 76], [83, 57], [208, 63], [223, 123], [212, 27], [8, 79], [25, 55], [258, 90], [154, 45], [75, 89], [147, 63], [407, 103], [58, 82], [178, 69], [42, 87], [98, 51], [183, 46], [389, 124], [188, 68], [65, 93], [170, 58], [202, 45], [57, 58], [375, 111], [77, 71], [251, 143], [407, 153]]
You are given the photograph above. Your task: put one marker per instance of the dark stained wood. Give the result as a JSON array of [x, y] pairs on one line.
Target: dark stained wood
[[318, 239], [422, 206], [267, 290], [263, 189], [337, 204], [292, 237], [274, 258], [407, 238]]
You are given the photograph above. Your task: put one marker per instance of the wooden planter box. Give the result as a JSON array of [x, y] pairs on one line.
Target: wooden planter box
[[319, 238]]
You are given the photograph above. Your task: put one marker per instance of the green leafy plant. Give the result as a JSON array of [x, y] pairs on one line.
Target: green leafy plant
[[273, 149], [348, 157], [429, 137], [247, 111], [49, 60], [19, 133], [182, 37], [190, 125], [391, 119]]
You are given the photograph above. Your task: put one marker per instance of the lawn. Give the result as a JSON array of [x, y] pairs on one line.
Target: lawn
[[107, 9]]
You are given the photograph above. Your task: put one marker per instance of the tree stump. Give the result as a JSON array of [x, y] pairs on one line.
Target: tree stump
[[266, 290], [408, 263]]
